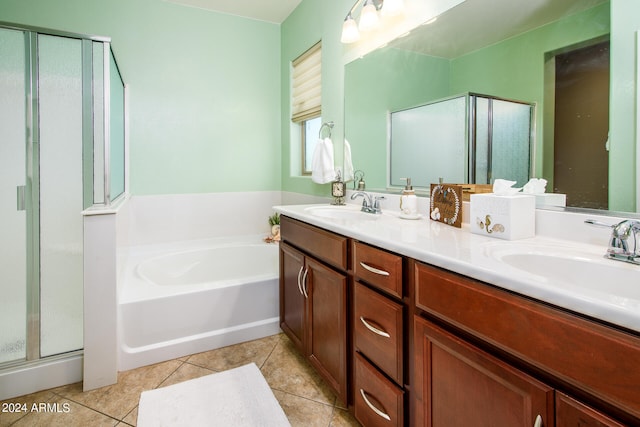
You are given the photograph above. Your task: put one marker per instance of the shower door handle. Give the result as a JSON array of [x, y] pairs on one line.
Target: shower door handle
[[20, 205]]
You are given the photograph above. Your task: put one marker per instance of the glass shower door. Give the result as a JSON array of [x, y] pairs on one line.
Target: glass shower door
[[502, 140], [60, 112], [13, 214], [41, 195], [511, 146]]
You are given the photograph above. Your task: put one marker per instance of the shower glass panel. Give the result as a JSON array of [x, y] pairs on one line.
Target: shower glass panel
[[510, 148], [429, 142], [61, 202], [481, 140], [98, 123], [470, 138], [13, 197], [116, 117]]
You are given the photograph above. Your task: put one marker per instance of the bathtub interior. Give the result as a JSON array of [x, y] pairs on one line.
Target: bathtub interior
[[227, 264]]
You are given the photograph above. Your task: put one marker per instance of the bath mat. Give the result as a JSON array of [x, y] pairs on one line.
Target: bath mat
[[237, 397]]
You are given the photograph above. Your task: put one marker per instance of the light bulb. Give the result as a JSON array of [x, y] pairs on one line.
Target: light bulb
[[350, 33], [392, 7], [368, 16]]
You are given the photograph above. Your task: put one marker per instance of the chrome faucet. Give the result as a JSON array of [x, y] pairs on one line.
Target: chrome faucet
[[624, 244], [368, 205]]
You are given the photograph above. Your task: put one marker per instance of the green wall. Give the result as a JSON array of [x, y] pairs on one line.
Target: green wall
[[311, 22], [204, 89]]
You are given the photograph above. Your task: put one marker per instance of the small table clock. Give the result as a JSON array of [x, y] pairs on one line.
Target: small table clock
[[337, 191]]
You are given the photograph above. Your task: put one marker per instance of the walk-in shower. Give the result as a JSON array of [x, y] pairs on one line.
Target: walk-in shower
[[61, 151]]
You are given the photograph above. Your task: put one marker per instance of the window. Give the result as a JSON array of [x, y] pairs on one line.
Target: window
[[306, 106]]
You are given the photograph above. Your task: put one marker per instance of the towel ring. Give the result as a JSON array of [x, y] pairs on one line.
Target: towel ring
[[325, 124]]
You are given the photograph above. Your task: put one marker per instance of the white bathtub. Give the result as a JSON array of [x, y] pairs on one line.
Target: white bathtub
[[188, 297]]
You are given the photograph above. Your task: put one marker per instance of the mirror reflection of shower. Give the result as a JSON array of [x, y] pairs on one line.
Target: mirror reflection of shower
[[469, 138]]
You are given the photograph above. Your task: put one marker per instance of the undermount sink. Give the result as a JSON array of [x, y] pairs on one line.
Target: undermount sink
[[571, 266], [345, 212]]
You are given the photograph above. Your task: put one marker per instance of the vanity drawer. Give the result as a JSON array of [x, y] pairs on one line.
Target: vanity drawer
[[378, 330], [329, 247], [378, 268], [570, 412], [378, 402]]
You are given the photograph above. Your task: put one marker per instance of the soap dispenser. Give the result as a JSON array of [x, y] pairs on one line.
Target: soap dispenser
[[408, 201]]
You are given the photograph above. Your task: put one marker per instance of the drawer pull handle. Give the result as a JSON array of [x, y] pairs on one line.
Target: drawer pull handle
[[373, 329], [538, 421], [373, 408], [299, 283], [374, 270], [304, 283]]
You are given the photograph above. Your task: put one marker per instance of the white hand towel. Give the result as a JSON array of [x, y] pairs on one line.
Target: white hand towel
[[322, 169], [348, 163]]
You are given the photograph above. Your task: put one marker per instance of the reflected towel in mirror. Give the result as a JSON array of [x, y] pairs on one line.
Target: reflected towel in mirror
[[348, 163], [322, 169]]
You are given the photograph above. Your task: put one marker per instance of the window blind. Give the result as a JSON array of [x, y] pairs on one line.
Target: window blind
[[307, 85]]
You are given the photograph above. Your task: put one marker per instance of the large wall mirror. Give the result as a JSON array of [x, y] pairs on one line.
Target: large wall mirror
[[574, 60]]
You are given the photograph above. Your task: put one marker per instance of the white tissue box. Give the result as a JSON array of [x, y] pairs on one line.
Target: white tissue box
[[503, 217], [551, 199]]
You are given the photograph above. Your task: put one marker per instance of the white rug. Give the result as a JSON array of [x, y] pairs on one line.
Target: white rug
[[237, 397]]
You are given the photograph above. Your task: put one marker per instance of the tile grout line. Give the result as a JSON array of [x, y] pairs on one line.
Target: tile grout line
[[88, 407], [330, 405], [270, 353], [182, 362]]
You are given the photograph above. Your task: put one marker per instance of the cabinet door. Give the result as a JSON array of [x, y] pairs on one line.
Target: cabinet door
[[327, 324], [292, 300], [458, 385]]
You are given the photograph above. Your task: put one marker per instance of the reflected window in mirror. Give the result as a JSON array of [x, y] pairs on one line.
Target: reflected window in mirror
[[310, 131], [306, 101]]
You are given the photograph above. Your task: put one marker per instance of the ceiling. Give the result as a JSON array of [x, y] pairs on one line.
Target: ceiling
[[474, 24], [275, 11]]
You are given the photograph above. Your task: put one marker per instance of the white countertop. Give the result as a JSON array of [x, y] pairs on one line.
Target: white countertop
[[613, 296]]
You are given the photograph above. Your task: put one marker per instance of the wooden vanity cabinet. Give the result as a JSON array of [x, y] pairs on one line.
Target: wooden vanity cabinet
[[313, 298], [480, 350]]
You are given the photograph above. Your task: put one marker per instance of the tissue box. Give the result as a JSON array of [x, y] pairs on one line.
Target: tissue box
[[504, 217]]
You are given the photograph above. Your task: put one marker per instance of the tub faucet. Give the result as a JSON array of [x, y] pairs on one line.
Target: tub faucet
[[368, 205], [624, 244]]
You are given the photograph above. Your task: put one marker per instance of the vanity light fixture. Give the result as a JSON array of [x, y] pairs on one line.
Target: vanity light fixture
[[369, 17]]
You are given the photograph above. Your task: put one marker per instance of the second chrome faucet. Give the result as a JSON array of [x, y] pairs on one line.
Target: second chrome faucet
[[624, 244], [369, 205]]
